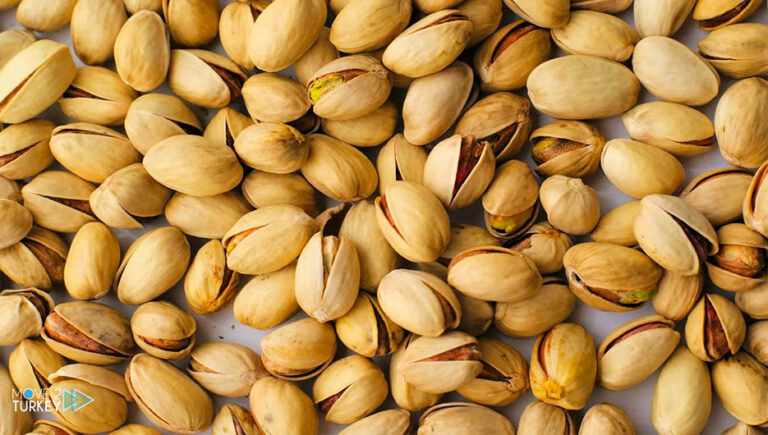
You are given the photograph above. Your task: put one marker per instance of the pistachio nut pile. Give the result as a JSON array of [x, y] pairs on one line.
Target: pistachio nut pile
[[401, 217]]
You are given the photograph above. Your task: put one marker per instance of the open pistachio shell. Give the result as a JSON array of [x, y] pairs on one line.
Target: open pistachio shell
[[226, 125], [441, 364], [24, 311], [494, 274], [404, 394], [91, 151], [713, 15], [502, 120], [510, 204], [677, 294], [154, 117], [476, 315], [463, 237], [272, 147], [261, 189], [572, 206], [209, 283], [24, 150], [267, 300], [741, 384], [13, 41], [544, 245], [235, 24], [128, 196], [36, 261], [570, 148], [551, 14], [537, 314], [163, 330], [739, 264], [715, 328], [96, 17], [97, 95], [299, 350], [226, 369], [350, 389], [367, 330], [400, 160], [728, 184], [675, 128], [366, 131], [30, 364], [205, 78], [682, 397], [232, 418], [59, 201], [504, 377], [318, 55], [756, 342], [639, 170], [485, 16], [737, 50], [753, 209], [616, 226]]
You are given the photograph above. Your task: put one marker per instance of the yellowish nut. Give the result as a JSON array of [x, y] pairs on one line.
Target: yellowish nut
[[570, 148], [163, 330], [494, 274], [675, 128], [272, 147], [404, 394], [226, 125], [261, 189], [209, 283], [272, 97], [367, 330], [206, 217], [350, 389], [446, 417], [682, 397], [59, 201], [441, 364], [44, 15], [485, 16], [677, 294], [267, 300], [94, 28], [13, 41], [541, 417], [369, 25], [280, 406], [226, 369], [505, 60], [366, 131], [661, 18], [127, 196], [639, 170], [154, 117], [92, 261], [299, 350], [510, 205], [192, 23], [27, 310], [597, 34], [504, 377], [97, 95], [571, 205], [142, 51], [741, 134], [537, 314], [741, 385], [235, 24], [715, 328], [36, 261], [338, 170], [617, 226], [738, 50], [205, 78]]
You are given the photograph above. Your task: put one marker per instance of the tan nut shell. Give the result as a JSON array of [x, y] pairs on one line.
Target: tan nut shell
[[682, 397], [707, 10], [754, 302], [513, 192], [728, 184], [272, 147], [494, 114], [272, 97], [369, 25], [741, 133], [38, 198], [551, 14], [441, 171], [21, 319], [400, 160], [204, 78], [134, 6], [494, 274], [235, 24], [677, 294], [741, 384], [738, 51], [261, 189], [442, 376], [44, 15], [404, 394], [233, 418], [485, 16], [661, 17], [338, 170], [90, 151], [299, 350], [321, 52], [508, 363], [448, 417], [540, 417], [161, 321], [388, 422], [575, 163], [280, 406], [142, 51], [463, 237], [108, 101], [571, 205], [127, 195], [730, 318], [756, 342], [366, 131], [154, 117], [23, 267], [30, 364], [639, 170], [206, 216], [93, 258], [537, 314], [596, 34], [366, 330], [617, 226], [605, 417], [209, 284], [94, 28], [358, 385], [741, 235], [267, 300], [34, 136], [544, 245], [226, 125], [228, 369], [675, 128], [13, 41], [17, 221]]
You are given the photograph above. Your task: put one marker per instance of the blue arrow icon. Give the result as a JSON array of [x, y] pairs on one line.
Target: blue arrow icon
[[75, 400]]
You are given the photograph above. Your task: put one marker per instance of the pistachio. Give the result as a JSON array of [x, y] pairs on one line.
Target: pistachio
[[127, 197], [391, 421], [9, 189], [366, 329], [318, 55], [163, 330], [505, 60], [192, 23], [226, 125], [616, 226], [756, 342], [280, 406], [24, 150], [754, 302], [366, 131], [742, 429], [540, 417], [458, 170], [261, 189], [606, 418], [48, 427], [571, 205], [154, 117], [350, 389], [13, 41], [204, 78], [59, 201], [226, 369], [44, 15], [234, 419], [272, 97], [713, 15], [441, 364], [94, 28], [570, 148], [463, 237], [91, 151], [235, 24], [538, 313], [476, 315], [92, 262], [485, 16], [737, 50], [209, 283], [563, 366], [97, 95], [17, 221], [682, 397], [501, 120], [752, 208], [370, 25], [299, 350], [134, 6], [430, 6], [544, 245], [272, 147], [510, 205], [36, 261], [494, 274], [353, 176], [639, 170], [740, 262], [661, 17], [206, 216], [400, 160], [142, 51], [741, 134], [446, 417], [741, 384], [504, 377], [404, 394], [675, 128], [267, 300], [596, 34], [714, 328], [24, 312], [677, 294], [30, 364]]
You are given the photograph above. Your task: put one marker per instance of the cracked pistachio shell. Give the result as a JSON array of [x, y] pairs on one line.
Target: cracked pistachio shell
[[209, 283], [280, 407], [419, 302], [675, 128], [24, 311], [564, 366], [34, 79], [318, 55], [94, 28], [463, 237], [299, 350], [485, 16], [376, 256], [549, 14], [235, 24], [338, 170], [504, 378], [284, 31], [429, 45], [24, 149], [502, 120], [272, 147], [134, 6], [537, 314], [389, 422], [661, 17], [441, 364], [754, 302], [756, 342], [30, 364], [597, 34], [617, 226], [167, 397], [232, 418], [59, 201], [350, 389], [682, 397], [404, 394], [510, 204], [714, 328], [261, 189], [142, 51], [634, 350], [447, 418], [205, 78], [92, 261], [88, 332], [739, 264], [44, 15], [98, 96], [608, 6], [729, 185], [13, 41], [753, 209], [226, 125], [286, 226], [741, 384], [17, 222], [491, 273], [609, 277], [738, 50], [267, 300], [163, 330], [571, 205], [36, 261], [674, 234], [193, 165], [570, 148], [639, 169], [540, 417], [192, 23], [544, 245], [742, 429], [366, 131], [206, 216], [366, 330], [677, 294], [715, 14], [400, 160], [153, 264], [226, 369], [505, 60], [91, 151], [606, 418], [588, 87], [741, 132], [154, 117], [128, 195], [458, 170], [673, 72], [370, 25]]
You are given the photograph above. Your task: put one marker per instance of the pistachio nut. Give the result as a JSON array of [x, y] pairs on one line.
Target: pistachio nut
[[163, 330], [430, 6], [167, 397], [88, 332], [429, 45], [754, 302], [544, 245], [13, 41], [639, 169], [48, 427], [16, 220], [617, 226], [366, 131], [389, 422], [142, 51], [225, 369], [596, 34], [338, 170], [232, 418], [299, 350], [97, 95], [24, 150], [59, 201], [267, 300], [272, 97], [272, 147], [192, 23], [571, 205], [564, 366], [740, 262], [286, 226], [448, 417], [92, 261], [280, 406], [30, 364], [235, 24], [506, 58], [24, 311], [206, 216], [682, 397], [370, 25], [91, 151], [9, 189], [204, 78], [350, 389], [366, 329], [742, 429], [127, 197], [677, 294], [741, 133], [714, 328], [756, 342], [675, 128], [606, 418], [587, 87], [400, 160], [94, 28], [550, 14], [494, 274], [741, 384], [753, 209], [661, 17], [510, 204], [261, 189], [134, 6], [713, 15], [501, 120], [441, 364], [609, 277], [13, 420], [209, 283], [737, 50], [634, 350], [485, 16], [226, 125], [419, 302], [318, 55], [570, 148], [404, 394], [44, 15], [538, 313], [476, 315], [674, 234], [34, 79], [504, 377], [463, 237], [434, 102], [36, 261], [103, 386], [153, 264], [540, 417], [154, 117]]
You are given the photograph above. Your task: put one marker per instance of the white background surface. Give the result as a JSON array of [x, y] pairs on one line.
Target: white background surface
[[222, 325]]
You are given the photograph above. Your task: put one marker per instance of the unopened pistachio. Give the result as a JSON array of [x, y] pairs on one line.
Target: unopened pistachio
[[370, 25], [272, 97], [715, 328], [91, 151], [94, 28], [17, 222], [551, 14], [391, 421], [142, 51], [606, 418], [44, 15], [97, 95], [366, 131], [446, 417], [299, 350], [154, 117], [267, 300], [682, 397], [13, 41], [204, 78], [163, 330], [192, 23], [280, 406], [24, 312], [504, 377], [617, 226], [272, 147], [507, 57], [226, 369], [741, 134], [350, 389], [485, 16], [596, 34], [756, 342], [571, 205], [713, 15], [134, 6], [639, 170], [540, 417], [476, 315], [92, 261], [570, 148], [661, 17], [494, 274], [235, 24], [677, 294], [205, 216], [538, 313], [261, 189], [675, 128], [741, 383], [338, 170], [753, 302]]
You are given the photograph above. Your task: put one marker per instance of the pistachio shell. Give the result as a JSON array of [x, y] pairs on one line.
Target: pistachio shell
[[605, 417], [261, 189], [267, 300], [400, 160], [441, 364], [17, 221], [25, 311], [738, 50], [728, 184], [279, 406], [754, 302], [677, 294], [338, 170], [204, 78], [404, 394], [505, 60], [742, 429], [501, 119], [682, 397], [741, 135], [127, 196], [537, 314], [756, 342], [206, 216], [366, 330], [540, 417], [318, 55], [44, 15], [389, 422], [494, 274], [447, 417], [134, 6], [235, 24], [366, 131], [192, 22], [94, 28], [463, 237], [93, 259], [154, 117], [226, 125], [550, 14], [24, 149], [476, 315], [369, 25], [234, 418], [640, 170], [740, 262], [505, 378], [142, 51], [597, 34], [741, 384], [163, 330], [510, 204], [30, 364], [209, 284], [59, 201], [272, 147], [97, 95], [714, 328], [661, 17], [350, 389], [713, 15], [570, 148], [752, 208], [458, 170], [298, 350], [571, 205], [13, 41], [36, 261], [675, 128], [544, 245], [616, 226], [91, 151], [226, 369]]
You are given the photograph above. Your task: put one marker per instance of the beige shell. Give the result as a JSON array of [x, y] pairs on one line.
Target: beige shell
[[741, 133], [272, 147], [441, 364], [742, 429], [537, 314], [756, 343], [30, 364], [205, 78], [713, 15], [192, 23], [261, 189], [209, 283], [338, 170], [661, 17], [23, 317], [540, 417], [494, 274], [59, 201], [450, 174], [367, 330], [235, 24], [446, 417], [226, 369], [13, 41], [349, 87], [737, 50], [234, 418], [571, 205], [404, 394], [617, 226], [272, 97], [97, 95], [350, 389], [280, 406], [36, 261], [9, 189], [738, 234], [463, 237], [741, 384], [163, 330], [754, 302], [551, 14], [369, 25], [578, 162], [682, 397], [390, 421], [226, 125], [134, 6], [128, 195], [299, 350], [510, 379], [675, 128], [154, 117], [206, 216], [91, 151], [142, 51], [729, 184], [544, 245], [17, 221], [677, 294], [25, 147], [711, 339], [752, 209], [94, 28], [605, 417], [398, 160], [92, 261], [44, 15], [485, 16], [510, 205], [366, 131], [267, 300], [596, 34], [639, 170]]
